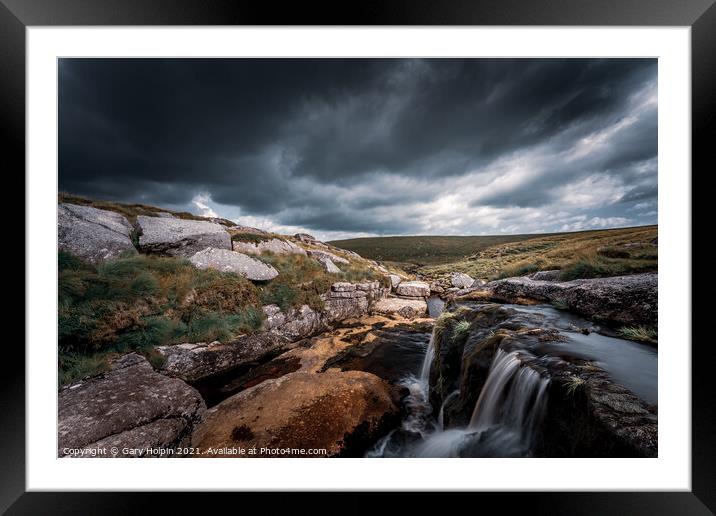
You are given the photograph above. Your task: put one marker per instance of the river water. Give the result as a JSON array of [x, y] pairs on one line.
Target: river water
[[512, 402]]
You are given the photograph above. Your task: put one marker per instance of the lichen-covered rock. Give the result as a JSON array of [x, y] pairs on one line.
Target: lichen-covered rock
[[130, 406], [461, 280], [305, 237], [192, 362], [343, 286], [180, 237], [552, 275], [413, 289], [620, 299], [230, 261], [93, 234], [330, 266], [340, 412], [407, 308], [394, 280], [273, 245], [323, 256], [296, 323]]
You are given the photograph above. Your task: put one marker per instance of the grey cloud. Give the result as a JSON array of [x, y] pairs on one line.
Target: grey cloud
[[310, 142]]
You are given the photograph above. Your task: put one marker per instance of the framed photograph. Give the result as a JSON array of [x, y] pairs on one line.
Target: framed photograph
[[434, 250]]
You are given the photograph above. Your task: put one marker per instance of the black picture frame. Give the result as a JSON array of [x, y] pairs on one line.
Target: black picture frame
[[700, 15]]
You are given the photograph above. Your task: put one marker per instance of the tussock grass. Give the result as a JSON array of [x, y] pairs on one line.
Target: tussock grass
[[573, 384], [75, 366], [139, 302], [639, 333], [252, 238]]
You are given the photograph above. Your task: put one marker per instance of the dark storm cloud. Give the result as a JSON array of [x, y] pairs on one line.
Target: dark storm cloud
[[363, 145]]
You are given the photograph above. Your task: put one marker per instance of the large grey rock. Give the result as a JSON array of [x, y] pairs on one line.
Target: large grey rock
[[322, 256], [129, 406], [296, 323], [192, 362], [461, 280], [629, 300], [273, 245], [180, 237], [93, 234], [231, 261], [305, 237], [408, 308], [413, 289], [394, 280], [330, 266]]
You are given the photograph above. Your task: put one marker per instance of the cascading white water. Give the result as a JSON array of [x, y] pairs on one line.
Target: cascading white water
[[427, 362], [512, 400]]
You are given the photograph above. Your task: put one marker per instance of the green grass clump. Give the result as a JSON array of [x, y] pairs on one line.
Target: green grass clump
[[75, 366], [640, 333], [138, 302], [597, 266], [301, 280], [460, 331], [251, 238], [573, 384], [211, 326]]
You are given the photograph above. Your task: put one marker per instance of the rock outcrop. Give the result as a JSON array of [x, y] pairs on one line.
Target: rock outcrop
[[461, 280], [394, 280], [192, 362], [273, 245], [131, 406], [339, 412], [322, 256], [93, 234], [552, 275], [626, 300], [230, 261], [344, 301], [413, 289], [180, 237], [407, 308]]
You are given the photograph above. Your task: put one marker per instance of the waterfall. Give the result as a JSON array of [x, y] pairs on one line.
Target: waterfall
[[513, 399], [427, 362]]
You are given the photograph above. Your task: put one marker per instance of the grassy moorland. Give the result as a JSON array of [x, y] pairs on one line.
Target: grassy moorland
[[138, 302], [423, 250], [584, 254]]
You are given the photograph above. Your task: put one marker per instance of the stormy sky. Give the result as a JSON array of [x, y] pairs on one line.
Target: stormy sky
[[357, 147]]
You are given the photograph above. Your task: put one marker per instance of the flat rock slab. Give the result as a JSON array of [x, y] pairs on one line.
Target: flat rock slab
[[180, 237], [341, 412], [408, 308], [274, 245], [93, 234], [129, 406], [628, 300], [413, 289], [225, 260], [193, 362]]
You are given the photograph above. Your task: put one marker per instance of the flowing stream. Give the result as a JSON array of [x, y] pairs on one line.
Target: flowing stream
[[512, 403]]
